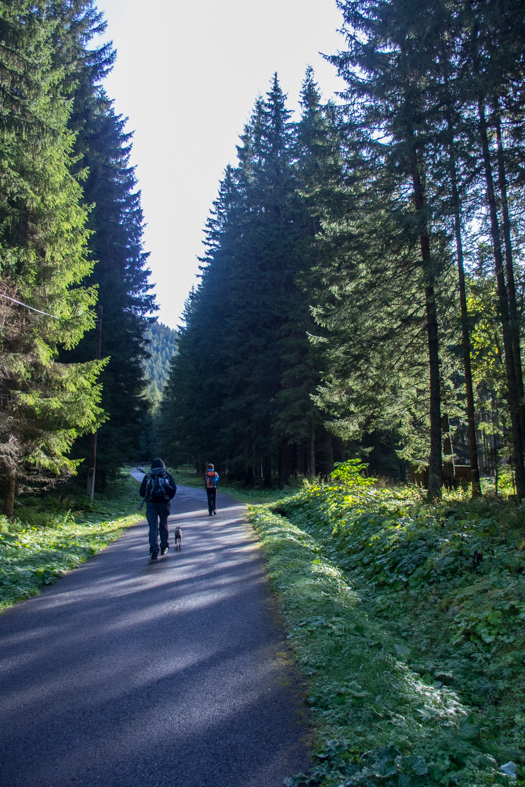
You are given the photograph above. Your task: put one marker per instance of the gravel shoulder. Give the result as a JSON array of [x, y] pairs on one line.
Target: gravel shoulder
[[129, 673]]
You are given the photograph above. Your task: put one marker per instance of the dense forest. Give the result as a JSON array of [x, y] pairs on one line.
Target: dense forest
[[162, 345], [362, 290], [75, 298], [358, 322], [362, 287]]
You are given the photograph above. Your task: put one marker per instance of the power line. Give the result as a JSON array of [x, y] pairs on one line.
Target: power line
[[28, 307]]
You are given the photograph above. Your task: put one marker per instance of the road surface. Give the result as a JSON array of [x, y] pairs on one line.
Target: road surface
[[175, 673]]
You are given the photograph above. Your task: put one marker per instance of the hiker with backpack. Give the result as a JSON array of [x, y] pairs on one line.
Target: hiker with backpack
[[211, 480], [157, 489]]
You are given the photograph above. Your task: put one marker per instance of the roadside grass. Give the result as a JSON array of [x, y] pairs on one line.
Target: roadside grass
[[254, 495], [413, 644], [52, 535]]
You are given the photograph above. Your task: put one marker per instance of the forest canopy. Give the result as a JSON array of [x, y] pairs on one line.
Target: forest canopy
[[362, 290]]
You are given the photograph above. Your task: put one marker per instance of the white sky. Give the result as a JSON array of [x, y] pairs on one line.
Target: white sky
[[187, 76]]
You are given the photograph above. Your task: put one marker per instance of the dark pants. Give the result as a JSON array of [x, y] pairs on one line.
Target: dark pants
[[157, 516], [212, 499]]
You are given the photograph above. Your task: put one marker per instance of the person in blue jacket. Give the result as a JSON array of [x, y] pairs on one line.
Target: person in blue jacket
[[158, 488], [211, 479]]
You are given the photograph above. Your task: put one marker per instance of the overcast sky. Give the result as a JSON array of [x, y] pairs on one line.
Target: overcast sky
[[187, 76]]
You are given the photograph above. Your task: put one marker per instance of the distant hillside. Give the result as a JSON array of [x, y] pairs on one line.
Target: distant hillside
[[163, 345]]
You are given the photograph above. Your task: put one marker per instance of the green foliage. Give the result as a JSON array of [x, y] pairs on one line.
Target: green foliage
[[407, 620], [46, 403], [119, 273], [162, 346], [350, 473], [240, 386], [49, 536], [422, 82], [338, 254]]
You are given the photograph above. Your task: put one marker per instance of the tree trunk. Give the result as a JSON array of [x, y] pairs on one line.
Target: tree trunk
[[311, 460], [329, 460], [295, 459], [509, 269], [435, 470], [300, 459], [503, 306], [467, 366], [285, 451], [267, 471], [448, 458], [471, 413], [9, 492]]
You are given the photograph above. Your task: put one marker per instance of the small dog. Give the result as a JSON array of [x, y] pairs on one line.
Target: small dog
[[178, 538]]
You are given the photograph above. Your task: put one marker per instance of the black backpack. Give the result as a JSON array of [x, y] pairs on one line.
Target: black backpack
[[157, 488]]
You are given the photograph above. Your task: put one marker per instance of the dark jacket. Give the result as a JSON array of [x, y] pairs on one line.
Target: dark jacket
[[158, 468]]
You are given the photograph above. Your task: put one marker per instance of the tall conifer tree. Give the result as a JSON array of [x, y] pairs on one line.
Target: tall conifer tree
[[387, 75], [116, 221], [245, 347], [45, 404]]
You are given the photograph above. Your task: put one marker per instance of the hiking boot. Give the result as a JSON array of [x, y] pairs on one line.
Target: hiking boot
[[154, 555], [163, 550], [215, 511]]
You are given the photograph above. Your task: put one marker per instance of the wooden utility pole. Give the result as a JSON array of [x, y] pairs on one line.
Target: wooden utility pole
[[92, 469]]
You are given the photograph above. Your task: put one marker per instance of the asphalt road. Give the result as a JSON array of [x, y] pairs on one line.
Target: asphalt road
[[130, 673]]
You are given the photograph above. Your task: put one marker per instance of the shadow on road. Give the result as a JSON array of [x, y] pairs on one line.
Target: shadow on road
[[170, 673]]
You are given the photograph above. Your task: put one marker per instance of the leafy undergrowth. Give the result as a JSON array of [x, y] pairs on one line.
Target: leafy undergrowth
[[240, 491], [408, 620], [50, 536]]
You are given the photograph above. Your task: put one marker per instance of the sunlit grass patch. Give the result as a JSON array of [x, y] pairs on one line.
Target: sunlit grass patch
[[384, 713], [45, 541]]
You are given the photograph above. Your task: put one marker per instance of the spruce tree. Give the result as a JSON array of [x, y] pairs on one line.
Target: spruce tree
[[433, 103], [46, 403], [115, 246], [489, 60], [244, 347], [162, 346], [388, 73]]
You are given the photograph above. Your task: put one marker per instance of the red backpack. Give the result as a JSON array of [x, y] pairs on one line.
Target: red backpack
[[210, 479]]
